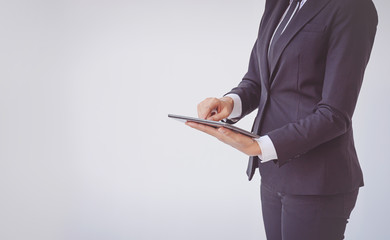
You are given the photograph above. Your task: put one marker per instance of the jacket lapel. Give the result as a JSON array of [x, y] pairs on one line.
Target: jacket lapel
[[265, 34], [309, 10]]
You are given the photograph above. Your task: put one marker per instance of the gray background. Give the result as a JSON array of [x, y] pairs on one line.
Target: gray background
[[86, 148]]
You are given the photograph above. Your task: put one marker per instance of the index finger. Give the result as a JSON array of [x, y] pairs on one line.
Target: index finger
[[206, 107]]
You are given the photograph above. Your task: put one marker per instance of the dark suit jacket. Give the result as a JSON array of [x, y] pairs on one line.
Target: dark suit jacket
[[307, 95]]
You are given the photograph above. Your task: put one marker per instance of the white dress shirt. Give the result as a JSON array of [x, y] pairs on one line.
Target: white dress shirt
[[268, 151]]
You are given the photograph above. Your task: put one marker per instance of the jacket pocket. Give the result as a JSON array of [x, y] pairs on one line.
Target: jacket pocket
[[313, 27]]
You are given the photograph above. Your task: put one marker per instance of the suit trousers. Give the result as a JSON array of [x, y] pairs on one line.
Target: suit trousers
[[305, 217]]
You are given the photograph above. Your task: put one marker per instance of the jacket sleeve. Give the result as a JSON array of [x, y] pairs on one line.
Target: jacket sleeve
[[350, 42], [249, 88]]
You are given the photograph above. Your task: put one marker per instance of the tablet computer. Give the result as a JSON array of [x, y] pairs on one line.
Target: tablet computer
[[213, 124]]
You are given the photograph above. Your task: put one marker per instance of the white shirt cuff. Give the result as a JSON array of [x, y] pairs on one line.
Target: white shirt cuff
[[237, 107], [268, 151]]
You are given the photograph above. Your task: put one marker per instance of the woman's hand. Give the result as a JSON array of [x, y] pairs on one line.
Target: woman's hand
[[215, 109], [239, 141]]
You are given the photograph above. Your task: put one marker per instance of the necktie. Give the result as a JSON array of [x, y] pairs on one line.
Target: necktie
[[293, 8]]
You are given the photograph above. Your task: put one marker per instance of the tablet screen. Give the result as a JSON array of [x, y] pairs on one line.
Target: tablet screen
[[213, 124]]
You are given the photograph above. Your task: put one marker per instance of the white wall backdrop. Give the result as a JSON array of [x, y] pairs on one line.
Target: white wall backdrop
[[87, 150]]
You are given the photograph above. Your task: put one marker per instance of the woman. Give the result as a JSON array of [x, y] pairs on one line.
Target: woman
[[304, 76]]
